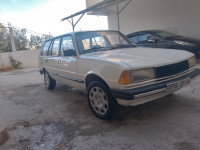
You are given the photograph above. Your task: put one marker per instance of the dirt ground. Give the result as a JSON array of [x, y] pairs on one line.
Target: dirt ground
[[39, 119]]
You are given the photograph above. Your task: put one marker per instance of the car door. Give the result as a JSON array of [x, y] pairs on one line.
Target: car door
[[161, 42], [67, 61], [44, 54], [52, 59]]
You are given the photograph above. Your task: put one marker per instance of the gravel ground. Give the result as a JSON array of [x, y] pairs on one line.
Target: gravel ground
[[39, 119]]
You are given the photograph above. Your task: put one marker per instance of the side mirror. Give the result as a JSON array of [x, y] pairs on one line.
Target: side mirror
[[153, 39], [69, 52]]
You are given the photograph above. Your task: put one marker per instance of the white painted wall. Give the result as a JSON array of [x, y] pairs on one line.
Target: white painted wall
[[90, 3], [29, 58], [178, 16]]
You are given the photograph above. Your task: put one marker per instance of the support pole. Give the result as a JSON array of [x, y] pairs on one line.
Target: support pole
[[72, 21], [118, 12], [72, 24], [12, 39], [118, 15]]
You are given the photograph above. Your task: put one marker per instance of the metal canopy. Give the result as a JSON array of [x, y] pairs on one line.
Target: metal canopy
[[102, 5]]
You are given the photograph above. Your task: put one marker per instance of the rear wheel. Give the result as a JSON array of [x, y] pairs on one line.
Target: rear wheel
[[100, 100], [49, 82]]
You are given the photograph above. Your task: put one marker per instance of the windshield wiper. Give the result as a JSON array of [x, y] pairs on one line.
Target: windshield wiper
[[122, 46], [95, 49]]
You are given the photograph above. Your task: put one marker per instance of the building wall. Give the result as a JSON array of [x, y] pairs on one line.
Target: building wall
[[179, 16], [29, 58], [90, 3]]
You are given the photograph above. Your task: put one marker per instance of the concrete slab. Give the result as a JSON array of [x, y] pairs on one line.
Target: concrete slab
[[3, 135], [39, 119]]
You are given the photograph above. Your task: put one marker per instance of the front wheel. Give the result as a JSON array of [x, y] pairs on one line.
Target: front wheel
[[100, 100], [49, 82]]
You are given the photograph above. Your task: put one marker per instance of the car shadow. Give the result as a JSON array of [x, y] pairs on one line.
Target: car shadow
[[123, 113], [151, 114]]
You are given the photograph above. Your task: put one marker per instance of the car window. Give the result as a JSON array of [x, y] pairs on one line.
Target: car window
[[135, 39], [98, 41], [45, 48], [144, 37], [56, 47], [166, 34], [86, 44], [67, 44], [94, 41]]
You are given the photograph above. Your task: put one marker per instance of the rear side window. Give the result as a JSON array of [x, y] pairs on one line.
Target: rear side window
[[45, 48], [56, 47]]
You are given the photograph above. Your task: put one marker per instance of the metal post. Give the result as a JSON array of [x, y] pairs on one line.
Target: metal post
[[72, 24], [118, 12], [12, 39], [118, 15], [72, 21]]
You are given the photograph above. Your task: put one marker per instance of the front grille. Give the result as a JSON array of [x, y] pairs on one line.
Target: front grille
[[171, 69]]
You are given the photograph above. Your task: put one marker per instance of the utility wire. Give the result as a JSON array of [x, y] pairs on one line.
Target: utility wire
[[29, 31]]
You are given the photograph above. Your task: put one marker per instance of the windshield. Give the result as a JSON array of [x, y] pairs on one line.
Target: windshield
[[166, 34], [93, 41]]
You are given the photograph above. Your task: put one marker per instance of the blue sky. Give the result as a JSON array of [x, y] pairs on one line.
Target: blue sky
[[19, 5], [44, 16]]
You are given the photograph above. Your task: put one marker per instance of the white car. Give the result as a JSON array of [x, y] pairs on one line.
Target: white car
[[112, 70]]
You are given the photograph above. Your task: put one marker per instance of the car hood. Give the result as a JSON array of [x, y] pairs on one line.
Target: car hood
[[185, 39], [141, 57]]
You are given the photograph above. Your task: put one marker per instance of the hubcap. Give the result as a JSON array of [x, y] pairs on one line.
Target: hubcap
[[46, 79], [98, 100]]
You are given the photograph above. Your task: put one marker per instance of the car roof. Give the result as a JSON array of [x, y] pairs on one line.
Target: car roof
[[150, 31], [72, 33]]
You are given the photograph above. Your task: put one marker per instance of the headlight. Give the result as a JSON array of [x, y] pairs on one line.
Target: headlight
[[192, 61], [140, 75], [184, 43], [135, 76]]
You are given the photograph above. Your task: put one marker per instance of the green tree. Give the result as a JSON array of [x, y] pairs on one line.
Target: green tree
[[5, 44], [36, 42], [21, 41]]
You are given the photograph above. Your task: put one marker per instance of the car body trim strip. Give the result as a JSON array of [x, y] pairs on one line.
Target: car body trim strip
[[72, 79]]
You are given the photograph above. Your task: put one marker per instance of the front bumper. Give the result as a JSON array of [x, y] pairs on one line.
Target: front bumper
[[147, 93]]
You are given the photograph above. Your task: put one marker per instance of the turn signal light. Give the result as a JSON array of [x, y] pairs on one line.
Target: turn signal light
[[125, 78]]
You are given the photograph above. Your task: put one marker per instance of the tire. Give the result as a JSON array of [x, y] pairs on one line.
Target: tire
[[49, 82], [100, 100]]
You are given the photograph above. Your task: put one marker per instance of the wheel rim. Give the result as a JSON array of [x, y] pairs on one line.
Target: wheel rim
[[98, 100], [46, 79]]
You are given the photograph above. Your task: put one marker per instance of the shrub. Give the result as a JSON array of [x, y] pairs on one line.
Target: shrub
[[14, 63]]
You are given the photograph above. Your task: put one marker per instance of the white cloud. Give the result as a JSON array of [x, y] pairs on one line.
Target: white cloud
[[46, 18]]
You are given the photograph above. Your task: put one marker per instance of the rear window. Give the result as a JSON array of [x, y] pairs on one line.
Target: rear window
[[45, 48]]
